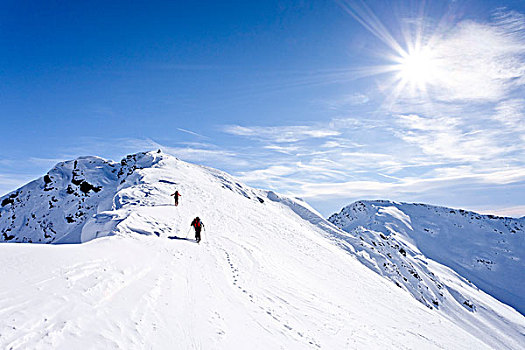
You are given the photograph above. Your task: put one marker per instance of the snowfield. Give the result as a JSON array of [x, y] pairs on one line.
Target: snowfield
[[270, 273]]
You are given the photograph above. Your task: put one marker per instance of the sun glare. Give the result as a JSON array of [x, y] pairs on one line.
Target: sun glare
[[414, 62], [417, 68]]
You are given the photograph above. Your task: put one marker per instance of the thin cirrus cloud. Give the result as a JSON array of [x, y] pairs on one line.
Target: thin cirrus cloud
[[480, 62], [449, 139], [433, 155], [191, 133], [511, 113], [282, 134], [206, 153], [408, 185], [346, 101], [9, 181]]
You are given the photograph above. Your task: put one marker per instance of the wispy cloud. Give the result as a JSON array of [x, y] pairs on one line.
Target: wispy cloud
[[47, 162], [408, 185], [205, 153], [511, 113], [284, 134], [9, 182], [346, 101], [268, 174], [191, 133], [481, 62], [450, 139], [411, 156], [286, 149], [512, 211], [340, 143]]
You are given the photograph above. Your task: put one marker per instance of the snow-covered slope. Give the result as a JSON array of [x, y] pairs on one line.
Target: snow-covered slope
[[270, 273], [487, 250], [55, 207]]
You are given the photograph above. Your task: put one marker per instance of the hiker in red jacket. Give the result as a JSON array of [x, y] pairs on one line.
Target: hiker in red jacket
[[197, 225], [176, 195]]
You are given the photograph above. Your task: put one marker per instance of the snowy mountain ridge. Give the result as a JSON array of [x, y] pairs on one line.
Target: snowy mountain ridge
[[487, 250], [55, 207], [270, 273], [77, 200]]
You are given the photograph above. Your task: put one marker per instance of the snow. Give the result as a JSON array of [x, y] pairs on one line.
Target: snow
[[270, 273], [487, 250]]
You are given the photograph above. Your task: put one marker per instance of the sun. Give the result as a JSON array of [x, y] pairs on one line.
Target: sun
[[417, 68], [415, 62]]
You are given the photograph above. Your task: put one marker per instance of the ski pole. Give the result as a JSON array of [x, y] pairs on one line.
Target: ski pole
[[187, 233]]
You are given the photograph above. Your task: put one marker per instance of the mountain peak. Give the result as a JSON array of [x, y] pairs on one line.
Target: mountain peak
[[70, 204], [485, 249]]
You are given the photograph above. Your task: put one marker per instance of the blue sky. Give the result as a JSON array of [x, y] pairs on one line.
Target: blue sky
[[332, 101]]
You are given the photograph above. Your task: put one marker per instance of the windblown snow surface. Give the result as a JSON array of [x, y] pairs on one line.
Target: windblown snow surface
[[270, 273], [487, 250]]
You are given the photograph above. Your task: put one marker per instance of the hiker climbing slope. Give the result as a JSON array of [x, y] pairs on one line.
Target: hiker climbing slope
[[197, 225], [176, 195]]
